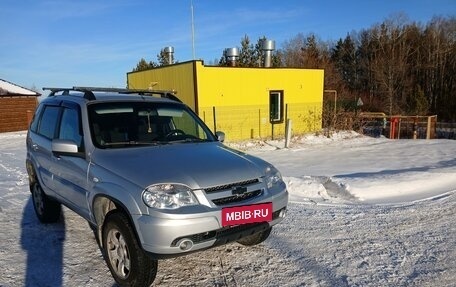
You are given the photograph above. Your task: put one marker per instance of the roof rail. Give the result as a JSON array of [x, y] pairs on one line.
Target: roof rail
[[162, 93], [66, 91], [88, 92]]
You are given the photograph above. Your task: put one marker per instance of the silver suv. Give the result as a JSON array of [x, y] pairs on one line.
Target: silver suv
[[148, 175]]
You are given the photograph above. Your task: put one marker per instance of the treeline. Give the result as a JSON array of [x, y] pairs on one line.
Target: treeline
[[395, 67]]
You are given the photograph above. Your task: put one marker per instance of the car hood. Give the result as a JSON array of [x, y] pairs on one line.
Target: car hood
[[197, 165]]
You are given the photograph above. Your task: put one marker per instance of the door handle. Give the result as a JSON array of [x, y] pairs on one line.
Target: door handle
[[35, 147]]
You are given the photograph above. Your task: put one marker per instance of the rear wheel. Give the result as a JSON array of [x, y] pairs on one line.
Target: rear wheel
[[46, 209], [256, 238], [128, 263]]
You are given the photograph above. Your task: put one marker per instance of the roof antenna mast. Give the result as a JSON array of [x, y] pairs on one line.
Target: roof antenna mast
[[193, 30]]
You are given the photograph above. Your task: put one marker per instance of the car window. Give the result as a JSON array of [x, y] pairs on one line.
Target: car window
[[36, 118], [70, 128], [48, 122], [183, 121]]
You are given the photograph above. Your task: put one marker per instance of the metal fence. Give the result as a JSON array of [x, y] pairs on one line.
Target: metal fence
[[398, 127], [446, 130], [252, 122]]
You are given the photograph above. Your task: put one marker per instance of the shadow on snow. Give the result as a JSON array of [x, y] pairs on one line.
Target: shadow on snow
[[44, 246]]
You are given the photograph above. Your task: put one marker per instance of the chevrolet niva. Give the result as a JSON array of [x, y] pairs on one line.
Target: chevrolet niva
[[148, 175]]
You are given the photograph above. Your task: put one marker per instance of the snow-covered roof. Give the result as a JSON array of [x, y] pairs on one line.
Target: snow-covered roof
[[7, 88]]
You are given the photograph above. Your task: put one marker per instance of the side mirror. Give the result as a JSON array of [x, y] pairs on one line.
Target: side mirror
[[65, 147], [220, 136]]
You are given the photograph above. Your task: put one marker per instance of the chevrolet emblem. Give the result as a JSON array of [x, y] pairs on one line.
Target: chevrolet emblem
[[238, 190]]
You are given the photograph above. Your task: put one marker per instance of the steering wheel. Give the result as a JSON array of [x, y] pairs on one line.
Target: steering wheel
[[175, 132]]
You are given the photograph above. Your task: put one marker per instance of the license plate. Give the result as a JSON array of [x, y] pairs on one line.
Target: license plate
[[247, 214]]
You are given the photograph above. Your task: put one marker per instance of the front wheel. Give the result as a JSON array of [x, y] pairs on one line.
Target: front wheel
[[128, 263], [46, 209], [256, 238]]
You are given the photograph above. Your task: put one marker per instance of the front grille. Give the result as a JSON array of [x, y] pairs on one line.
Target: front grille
[[230, 185], [229, 234], [237, 198]]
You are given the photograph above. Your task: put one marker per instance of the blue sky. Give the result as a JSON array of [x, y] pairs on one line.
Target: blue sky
[[95, 43]]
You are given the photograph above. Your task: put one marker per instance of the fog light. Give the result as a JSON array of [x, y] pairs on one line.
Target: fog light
[[185, 244]]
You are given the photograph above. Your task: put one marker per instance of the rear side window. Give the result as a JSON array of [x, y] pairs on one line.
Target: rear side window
[[70, 128], [48, 122], [36, 118]]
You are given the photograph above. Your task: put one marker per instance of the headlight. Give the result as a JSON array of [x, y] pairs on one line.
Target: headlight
[[168, 196], [273, 177]]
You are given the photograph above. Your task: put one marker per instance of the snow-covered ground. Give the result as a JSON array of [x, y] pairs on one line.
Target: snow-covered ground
[[362, 212]]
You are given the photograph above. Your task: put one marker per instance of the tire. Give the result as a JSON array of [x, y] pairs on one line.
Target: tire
[[128, 263], [46, 209], [256, 238]]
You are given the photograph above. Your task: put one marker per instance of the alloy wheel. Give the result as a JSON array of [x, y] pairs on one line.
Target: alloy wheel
[[118, 253], [38, 199]]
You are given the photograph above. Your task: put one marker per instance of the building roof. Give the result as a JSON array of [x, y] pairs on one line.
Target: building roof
[[10, 89]]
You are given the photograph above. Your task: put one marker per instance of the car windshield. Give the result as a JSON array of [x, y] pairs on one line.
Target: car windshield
[[126, 124]]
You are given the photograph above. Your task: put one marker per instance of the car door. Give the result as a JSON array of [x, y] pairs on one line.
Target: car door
[[42, 132], [70, 179]]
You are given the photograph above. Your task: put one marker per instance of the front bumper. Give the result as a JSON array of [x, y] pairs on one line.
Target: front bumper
[[162, 238]]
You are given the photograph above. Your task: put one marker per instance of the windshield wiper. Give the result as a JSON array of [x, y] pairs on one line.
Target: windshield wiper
[[134, 143], [189, 140]]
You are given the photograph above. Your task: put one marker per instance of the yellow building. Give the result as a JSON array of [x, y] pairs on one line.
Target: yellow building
[[244, 103]]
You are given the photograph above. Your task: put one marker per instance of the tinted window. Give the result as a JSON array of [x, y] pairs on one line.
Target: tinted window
[[36, 118], [48, 121], [70, 126]]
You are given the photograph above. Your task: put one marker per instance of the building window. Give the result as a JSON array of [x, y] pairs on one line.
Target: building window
[[276, 106]]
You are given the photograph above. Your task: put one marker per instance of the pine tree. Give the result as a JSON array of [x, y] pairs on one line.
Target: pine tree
[[143, 65]]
